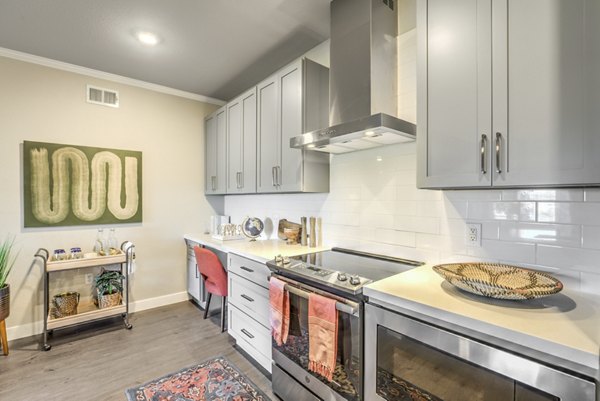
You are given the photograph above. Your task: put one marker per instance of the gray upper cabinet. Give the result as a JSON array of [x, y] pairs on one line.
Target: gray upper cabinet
[[293, 101], [215, 126], [508, 93], [241, 144]]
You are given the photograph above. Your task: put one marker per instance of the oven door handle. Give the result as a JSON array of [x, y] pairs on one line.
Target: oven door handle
[[303, 291]]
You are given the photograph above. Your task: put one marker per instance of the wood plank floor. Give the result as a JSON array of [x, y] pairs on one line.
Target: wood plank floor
[[101, 360]]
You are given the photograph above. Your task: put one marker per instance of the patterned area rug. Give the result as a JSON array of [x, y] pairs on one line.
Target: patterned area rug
[[213, 380]]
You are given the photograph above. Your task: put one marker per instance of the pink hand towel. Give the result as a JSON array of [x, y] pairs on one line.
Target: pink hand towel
[[322, 335], [280, 310]]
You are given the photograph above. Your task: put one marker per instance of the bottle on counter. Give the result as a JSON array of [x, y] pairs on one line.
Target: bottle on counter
[[100, 244], [112, 240], [304, 236], [313, 232]]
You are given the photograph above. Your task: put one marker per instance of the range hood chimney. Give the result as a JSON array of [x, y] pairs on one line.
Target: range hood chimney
[[363, 81]]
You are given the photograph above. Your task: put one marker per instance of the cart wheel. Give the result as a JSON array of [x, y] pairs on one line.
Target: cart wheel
[[46, 347], [129, 326]]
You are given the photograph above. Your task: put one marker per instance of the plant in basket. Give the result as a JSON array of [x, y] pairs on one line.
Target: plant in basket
[[7, 260], [109, 288]]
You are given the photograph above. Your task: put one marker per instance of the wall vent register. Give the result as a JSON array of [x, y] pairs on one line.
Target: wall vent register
[[102, 96]]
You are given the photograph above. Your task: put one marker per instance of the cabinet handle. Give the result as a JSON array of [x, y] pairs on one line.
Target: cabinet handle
[[273, 176], [196, 271], [278, 175], [241, 179], [483, 149], [213, 182], [237, 180], [498, 146], [247, 269], [247, 333], [247, 298]]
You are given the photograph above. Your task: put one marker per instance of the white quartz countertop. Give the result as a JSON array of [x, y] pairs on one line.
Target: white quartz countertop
[[259, 250], [564, 325]]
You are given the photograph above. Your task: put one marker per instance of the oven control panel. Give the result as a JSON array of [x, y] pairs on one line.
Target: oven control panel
[[350, 283]]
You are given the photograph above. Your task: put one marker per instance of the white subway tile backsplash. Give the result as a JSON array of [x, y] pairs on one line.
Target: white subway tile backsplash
[[551, 234], [521, 211], [591, 237], [592, 194], [430, 225], [583, 260], [570, 195], [515, 252], [375, 206], [569, 213], [471, 195]]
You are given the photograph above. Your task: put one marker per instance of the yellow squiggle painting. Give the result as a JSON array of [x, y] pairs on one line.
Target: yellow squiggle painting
[[73, 185]]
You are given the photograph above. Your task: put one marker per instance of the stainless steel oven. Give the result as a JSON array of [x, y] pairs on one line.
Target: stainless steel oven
[[407, 359], [291, 378]]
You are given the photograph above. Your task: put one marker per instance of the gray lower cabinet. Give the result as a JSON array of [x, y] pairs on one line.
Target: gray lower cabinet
[[291, 102], [195, 285], [248, 308], [215, 126], [241, 144], [508, 93]]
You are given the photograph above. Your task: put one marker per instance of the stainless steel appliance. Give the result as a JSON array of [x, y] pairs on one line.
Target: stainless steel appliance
[[339, 274], [409, 359], [363, 82]]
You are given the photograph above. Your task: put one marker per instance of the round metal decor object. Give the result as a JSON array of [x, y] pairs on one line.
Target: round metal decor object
[[499, 281]]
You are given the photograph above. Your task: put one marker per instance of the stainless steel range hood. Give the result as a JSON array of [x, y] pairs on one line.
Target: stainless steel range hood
[[363, 81]]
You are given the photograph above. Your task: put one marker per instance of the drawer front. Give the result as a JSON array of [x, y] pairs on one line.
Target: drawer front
[[250, 298], [251, 336], [254, 271]]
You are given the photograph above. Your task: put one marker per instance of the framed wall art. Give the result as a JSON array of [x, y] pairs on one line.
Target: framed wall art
[[68, 185]]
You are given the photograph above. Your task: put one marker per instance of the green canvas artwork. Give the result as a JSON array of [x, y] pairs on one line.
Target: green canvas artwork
[[66, 185]]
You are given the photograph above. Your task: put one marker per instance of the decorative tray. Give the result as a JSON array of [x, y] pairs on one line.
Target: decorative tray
[[499, 281]]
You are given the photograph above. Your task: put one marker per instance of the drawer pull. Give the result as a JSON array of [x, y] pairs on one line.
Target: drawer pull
[[247, 298], [247, 333], [247, 269]]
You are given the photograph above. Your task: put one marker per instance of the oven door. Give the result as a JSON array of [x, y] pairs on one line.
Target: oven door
[[292, 357], [406, 359]]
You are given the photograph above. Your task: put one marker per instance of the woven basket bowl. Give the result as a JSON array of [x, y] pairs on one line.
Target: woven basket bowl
[[499, 281]]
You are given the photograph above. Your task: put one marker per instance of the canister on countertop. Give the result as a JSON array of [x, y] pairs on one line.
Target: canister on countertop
[[303, 238], [313, 232]]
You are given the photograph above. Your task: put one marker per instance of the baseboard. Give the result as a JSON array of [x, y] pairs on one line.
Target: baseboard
[[36, 328]]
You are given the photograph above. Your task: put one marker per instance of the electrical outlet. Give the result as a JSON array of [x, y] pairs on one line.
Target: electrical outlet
[[473, 234], [89, 278]]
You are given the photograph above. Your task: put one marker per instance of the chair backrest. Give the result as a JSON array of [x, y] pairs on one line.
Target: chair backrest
[[212, 271]]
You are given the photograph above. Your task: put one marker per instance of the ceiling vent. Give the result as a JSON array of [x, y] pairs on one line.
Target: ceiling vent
[[105, 97]]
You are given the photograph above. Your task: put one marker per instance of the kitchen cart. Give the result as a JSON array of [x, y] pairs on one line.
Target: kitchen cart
[[87, 311]]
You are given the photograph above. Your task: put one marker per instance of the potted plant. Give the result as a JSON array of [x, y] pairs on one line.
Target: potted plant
[[6, 263], [109, 287]]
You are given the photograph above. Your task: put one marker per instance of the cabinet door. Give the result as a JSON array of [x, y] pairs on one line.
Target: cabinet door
[[289, 175], [210, 157], [221, 154], [268, 134], [193, 276], [241, 143], [235, 144], [249, 129], [547, 92], [454, 93]]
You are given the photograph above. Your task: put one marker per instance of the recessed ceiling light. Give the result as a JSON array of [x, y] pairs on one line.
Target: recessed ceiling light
[[147, 38]]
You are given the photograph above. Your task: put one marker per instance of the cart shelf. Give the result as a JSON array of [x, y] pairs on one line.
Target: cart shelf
[[87, 311]]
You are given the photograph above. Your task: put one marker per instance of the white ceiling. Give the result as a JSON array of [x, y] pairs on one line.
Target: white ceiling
[[216, 48]]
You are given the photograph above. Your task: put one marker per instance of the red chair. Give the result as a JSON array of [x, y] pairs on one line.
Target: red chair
[[215, 279]]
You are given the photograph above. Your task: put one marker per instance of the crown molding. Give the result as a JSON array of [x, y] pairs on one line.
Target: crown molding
[[59, 65]]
